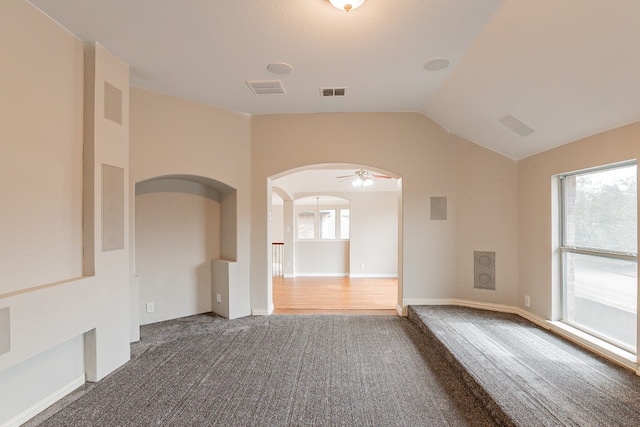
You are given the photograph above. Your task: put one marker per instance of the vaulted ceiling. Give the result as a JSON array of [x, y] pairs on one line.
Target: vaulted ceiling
[[551, 70]]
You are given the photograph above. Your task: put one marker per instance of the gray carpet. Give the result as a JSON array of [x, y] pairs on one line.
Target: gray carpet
[[527, 376], [276, 371]]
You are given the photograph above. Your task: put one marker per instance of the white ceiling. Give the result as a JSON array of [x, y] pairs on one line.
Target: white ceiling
[[328, 181], [566, 68]]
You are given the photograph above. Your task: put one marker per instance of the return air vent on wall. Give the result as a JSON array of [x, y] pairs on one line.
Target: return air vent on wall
[[333, 91], [266, 87], [516, 125]]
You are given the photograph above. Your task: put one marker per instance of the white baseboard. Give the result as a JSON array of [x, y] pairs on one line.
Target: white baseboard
[[402, 311], [258, 312], [599, 347], [322, 275], [43, 404], [374, 276]]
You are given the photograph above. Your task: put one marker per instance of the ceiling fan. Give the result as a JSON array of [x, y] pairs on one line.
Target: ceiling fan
[[362, 178]]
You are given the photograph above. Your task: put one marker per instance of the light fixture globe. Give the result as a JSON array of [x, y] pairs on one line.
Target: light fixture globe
[[347, 4]]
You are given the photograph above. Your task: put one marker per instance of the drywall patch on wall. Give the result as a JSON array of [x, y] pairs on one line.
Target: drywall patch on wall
[[5, 330], [112, 103], [112, 208], [438, 208]]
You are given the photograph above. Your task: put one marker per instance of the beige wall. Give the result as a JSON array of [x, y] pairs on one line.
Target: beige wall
[[486, 220], [412, 147], [63, 291], [41, 137], [171, 136], [538, 273]]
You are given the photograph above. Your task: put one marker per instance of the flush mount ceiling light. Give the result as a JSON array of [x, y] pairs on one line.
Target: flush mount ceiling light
[[346, 4]]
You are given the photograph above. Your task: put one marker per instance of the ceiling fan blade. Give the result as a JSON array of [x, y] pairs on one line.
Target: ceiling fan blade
[[381, 176], [345, 176]]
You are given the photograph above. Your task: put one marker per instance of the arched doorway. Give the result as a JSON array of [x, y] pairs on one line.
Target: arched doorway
[[362, 246]]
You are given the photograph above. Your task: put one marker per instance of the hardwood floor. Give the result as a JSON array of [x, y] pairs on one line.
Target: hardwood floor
[[335, 295]]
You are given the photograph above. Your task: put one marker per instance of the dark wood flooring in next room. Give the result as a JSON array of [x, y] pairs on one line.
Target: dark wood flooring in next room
[[335, 295]]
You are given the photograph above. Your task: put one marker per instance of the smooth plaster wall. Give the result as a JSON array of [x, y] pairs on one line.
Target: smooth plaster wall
[[60, 138], [406, 144], [277, 223], [538, 255], [171, 136], [58, 365], [487, 213], [322, 258], [374, 234], [41, 136], [177, 236]]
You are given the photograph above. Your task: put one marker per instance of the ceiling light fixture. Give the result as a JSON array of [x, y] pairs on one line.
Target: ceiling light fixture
[[363, 179], [346, 4]]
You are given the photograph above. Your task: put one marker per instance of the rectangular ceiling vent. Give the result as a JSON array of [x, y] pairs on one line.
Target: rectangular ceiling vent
[[266, 87], [516, 125], [333, 91]]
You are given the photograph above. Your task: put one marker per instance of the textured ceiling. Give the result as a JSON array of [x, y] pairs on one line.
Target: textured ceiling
[[566, 68]]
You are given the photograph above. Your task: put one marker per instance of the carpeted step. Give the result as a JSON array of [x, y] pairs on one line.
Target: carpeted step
[[524, 375]]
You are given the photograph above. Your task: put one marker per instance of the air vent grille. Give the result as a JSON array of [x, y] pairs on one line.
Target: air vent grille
[[516, 125], [333, 91], [266, 87]]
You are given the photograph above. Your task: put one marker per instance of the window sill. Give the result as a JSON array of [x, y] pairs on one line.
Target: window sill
[[596, 345]]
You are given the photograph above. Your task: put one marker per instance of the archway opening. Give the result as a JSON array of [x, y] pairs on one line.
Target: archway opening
[[340, 242]]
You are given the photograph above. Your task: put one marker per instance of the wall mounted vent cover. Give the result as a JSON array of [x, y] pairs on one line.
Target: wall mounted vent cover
[[516, 125], [266, 87], [333, 91]]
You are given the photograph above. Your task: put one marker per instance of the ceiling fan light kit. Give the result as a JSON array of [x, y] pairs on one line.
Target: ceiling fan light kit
[[363, 178], [359, 182], [347, 5]]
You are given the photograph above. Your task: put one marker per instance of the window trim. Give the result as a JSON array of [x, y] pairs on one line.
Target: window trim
[[316, 223], [565, 249]]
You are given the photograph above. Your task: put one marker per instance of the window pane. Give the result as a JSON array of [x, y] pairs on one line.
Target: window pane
[[344, 223], [306, 225], [601, 296], [327, 222], [600, 210]]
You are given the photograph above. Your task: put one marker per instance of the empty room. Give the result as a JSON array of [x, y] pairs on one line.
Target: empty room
[[319, 212]]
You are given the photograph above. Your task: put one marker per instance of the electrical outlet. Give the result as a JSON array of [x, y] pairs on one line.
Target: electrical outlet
[[219, 298], [150, 307], [361, 266], [527, 301]]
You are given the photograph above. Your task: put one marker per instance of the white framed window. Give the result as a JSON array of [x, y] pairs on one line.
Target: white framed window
[[599, 251], [327, 223], [344, 223], [324, 223], [306, 224]]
